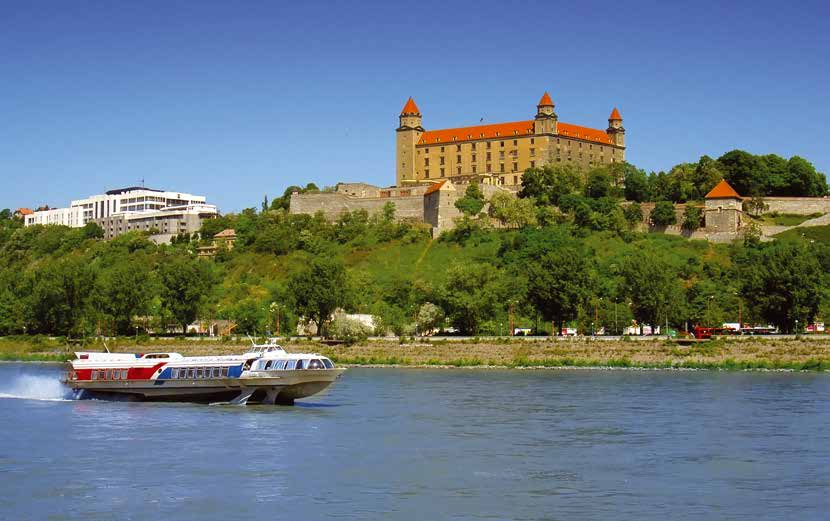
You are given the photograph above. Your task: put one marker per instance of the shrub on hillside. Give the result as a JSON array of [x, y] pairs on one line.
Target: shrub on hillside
[[349, 330]]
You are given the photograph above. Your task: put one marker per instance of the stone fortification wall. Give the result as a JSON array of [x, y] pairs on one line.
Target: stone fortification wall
[[333, 205], [798, 205]]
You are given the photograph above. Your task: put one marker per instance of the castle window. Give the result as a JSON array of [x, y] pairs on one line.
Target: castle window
[[533, 141], [515, 167], [458, 159], [474, 169], [499, 134], [426, 173], [458, 170], [515, 179], [515, 143], [474, 158], [458, 148], [426, 161], [489, 168], [557, 141], [501, 168], [442, 159], [488, 145], [532, 152], [489, 156], [442, 150], [533, 164], [442, 172], [481, 135], [501, 154], [501, 144]]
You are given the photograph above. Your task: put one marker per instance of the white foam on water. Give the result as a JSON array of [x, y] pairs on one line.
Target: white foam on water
[[30, 387]]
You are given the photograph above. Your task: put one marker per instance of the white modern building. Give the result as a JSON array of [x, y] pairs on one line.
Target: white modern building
[[134, 208]]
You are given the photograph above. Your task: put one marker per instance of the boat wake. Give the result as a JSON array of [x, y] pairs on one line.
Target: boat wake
[[42, 388]]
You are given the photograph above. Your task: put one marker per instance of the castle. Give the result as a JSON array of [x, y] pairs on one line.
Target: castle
[[497, 154]]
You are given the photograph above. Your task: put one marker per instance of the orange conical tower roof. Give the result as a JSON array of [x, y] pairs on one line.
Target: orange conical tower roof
[[410, 107], [545, 101], [723, 190], [615, 114]]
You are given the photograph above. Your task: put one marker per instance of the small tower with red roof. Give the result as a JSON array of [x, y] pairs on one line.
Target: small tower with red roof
[[724, 209], [546, 119], [615, 129], [408, 134]]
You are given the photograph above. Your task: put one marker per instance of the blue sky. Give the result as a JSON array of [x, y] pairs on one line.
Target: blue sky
[[235, 100]]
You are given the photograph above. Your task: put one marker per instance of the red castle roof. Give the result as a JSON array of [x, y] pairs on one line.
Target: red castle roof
[[435, 187], [615, 114], [723, 190], [508, 130], [545, 101], [410, 107]]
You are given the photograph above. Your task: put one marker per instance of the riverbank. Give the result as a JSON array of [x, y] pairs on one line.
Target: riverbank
[[731, 353]]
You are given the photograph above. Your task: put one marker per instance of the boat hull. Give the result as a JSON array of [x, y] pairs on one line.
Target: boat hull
[[279, 387]]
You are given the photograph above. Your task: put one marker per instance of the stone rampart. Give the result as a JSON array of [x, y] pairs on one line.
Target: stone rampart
[[798, 205], [333, 205]]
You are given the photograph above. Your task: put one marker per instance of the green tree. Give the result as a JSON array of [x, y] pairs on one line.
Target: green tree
[[60, 296], [559, 284], [547, 184], [185, 283], [598, 184], [652, 285], [319, 289], [124, 291], [472, 202], [636, 186], [663, 214], [633, 214], [692, 217], [784, 282], [511, 211], [471, 295], [429, 317]]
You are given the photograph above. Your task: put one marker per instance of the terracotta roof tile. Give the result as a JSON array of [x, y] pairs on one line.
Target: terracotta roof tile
[[615, 114], [587, 133], [410, 107], [226, 233], [545, 101], [723, 190], [435, 187], [24, 211], [451, 135]]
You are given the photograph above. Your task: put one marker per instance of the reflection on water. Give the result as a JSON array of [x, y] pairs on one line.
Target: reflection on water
[[430, 444]]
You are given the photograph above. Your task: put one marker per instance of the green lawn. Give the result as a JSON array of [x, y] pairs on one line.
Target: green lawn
[[787, 219], [812, 233]]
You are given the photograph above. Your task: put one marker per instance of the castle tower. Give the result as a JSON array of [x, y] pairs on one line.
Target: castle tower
[[615, 129], [408, 134], [724, 211], [546, 119]]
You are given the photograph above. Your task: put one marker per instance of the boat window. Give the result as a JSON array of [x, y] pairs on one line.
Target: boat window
[[270, 364], [224, 371], [191, 373], [327, 363], [174, 373], [217, 372], [107, 374], [290, 364], [300, 363], [279, 365], [94, 375], [157, 355], [200, 372], [123, 374], [315, 364]]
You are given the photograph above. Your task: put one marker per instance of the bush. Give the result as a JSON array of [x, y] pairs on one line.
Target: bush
[[349, 330]]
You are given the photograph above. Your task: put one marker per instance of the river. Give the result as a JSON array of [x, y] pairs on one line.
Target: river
[[403, 444]]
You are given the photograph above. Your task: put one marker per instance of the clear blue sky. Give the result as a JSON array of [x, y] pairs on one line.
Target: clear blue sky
[[235, 100]]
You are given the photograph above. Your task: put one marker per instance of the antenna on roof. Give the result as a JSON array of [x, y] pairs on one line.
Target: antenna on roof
[[142, 182]]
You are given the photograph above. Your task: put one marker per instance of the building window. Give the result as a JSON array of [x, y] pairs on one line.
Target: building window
[[532, 152], [532, 141], [515, 143], [458, 148], [488, 145], [426, 173], [442, 172], [474, 169], [426, 161], [458, 170], [489, 168], [501, 154], [515, 179], [515, 167], [457, 159], [474, 158], [501, 167], [533, 164], [442, 150], [501, 144], [488, 156], [442, 160]]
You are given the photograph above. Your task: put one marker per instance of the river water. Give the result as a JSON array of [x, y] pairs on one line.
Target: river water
[[429, 444]]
